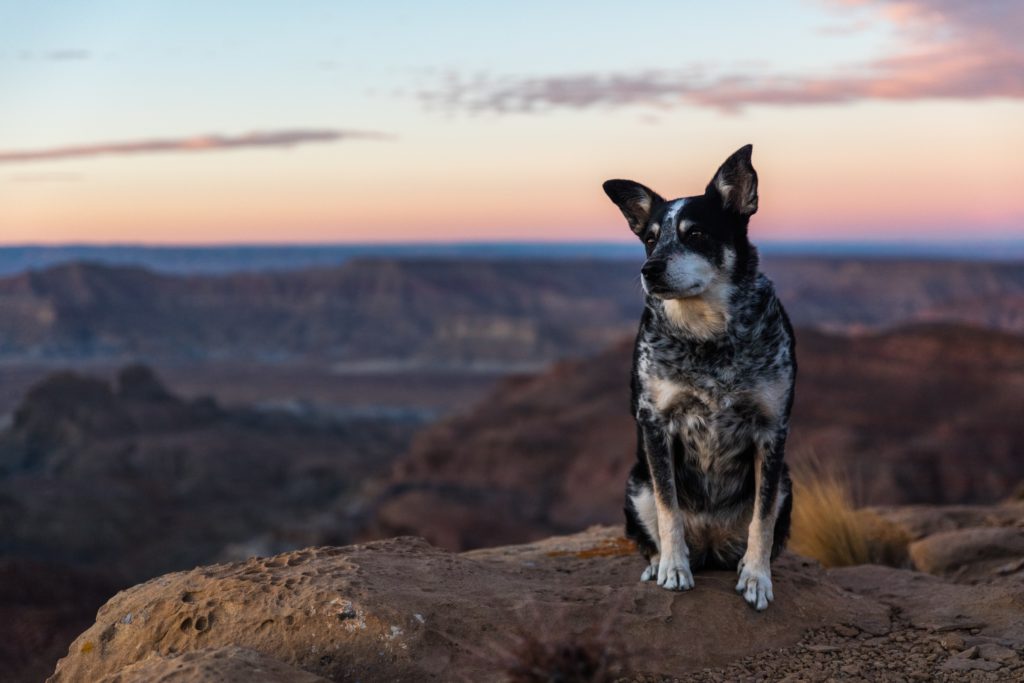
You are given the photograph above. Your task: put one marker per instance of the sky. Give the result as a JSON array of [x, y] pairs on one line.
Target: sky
[[193, 122]]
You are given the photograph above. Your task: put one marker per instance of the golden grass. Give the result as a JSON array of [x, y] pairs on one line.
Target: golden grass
[[828, 527]]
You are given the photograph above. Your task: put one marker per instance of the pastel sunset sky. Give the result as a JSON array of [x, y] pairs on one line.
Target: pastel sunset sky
[[311, 121]]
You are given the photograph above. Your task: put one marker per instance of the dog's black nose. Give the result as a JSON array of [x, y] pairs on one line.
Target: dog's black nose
[[653, 268]]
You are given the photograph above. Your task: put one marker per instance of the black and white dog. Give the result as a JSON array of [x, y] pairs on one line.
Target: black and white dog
[[713, 374]]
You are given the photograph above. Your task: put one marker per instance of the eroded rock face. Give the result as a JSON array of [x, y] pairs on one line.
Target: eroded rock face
[[913, 415], [402, 609], [126, 480]]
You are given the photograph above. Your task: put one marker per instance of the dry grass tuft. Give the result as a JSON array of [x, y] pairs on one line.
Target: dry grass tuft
[[888, 544], [579, 659], [545, 649], [828, 527]]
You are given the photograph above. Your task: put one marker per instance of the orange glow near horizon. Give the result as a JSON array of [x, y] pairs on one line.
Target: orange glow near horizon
[[903, 176]]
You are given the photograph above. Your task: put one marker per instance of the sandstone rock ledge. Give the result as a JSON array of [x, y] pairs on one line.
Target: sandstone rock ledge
[[403, 610]]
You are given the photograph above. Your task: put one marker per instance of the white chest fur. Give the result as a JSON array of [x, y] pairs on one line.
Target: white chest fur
[[716, 421]]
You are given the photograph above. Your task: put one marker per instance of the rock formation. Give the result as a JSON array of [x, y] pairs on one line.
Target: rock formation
[[128, 480], [403, 610], [446, 310]]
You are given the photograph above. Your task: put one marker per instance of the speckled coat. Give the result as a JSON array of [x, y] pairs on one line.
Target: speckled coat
[[712, 388], [715, 401]]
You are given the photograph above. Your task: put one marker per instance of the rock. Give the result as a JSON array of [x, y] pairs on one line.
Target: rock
[[221, 665], [402, 609], [967, 553], [846, 631], [140, 383], [971, 641], [956, 663], [1009, 568], [824, 648], [952, 641], [997, 653], [931, 603], [549, 453], [969, 653], [919, 521], [129, 481]]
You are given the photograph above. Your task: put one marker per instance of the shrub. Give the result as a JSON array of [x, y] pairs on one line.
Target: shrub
[[828, 527]]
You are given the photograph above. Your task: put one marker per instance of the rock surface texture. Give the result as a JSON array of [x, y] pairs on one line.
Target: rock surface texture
[[404, 610]]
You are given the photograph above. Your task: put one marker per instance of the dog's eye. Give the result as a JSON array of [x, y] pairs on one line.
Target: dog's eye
[[650, 241], [696, 234]]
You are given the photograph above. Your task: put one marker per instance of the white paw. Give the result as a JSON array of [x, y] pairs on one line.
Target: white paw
[[651, 570], [756, 584], [674, 572]]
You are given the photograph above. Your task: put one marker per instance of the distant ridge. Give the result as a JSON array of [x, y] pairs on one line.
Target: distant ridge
[[433, 312], [223, 259], [241, 258]]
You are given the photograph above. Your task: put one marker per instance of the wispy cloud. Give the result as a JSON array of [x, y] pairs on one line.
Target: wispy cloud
[[67, 55], [46, 178], [201, 143], [64, 54], [952, 49]]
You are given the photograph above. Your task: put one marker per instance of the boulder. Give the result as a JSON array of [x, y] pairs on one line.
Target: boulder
[[404, 610], [919, 521], [970, 554]]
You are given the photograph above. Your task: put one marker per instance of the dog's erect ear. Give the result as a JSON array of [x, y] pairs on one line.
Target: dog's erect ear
[[735, 183], [634, 200]]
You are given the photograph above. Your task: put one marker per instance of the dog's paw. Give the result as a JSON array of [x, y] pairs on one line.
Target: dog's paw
[[651, 570], [755, 584], [674, 573]]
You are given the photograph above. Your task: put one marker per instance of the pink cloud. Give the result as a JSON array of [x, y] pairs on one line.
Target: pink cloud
[[953, 50], [201, 143]]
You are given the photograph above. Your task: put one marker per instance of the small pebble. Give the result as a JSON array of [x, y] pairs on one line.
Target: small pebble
[[846, 631], [996, 653], [969, 653], [952, 641]]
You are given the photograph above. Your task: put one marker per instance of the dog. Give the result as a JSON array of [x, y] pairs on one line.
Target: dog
[[713, 375]]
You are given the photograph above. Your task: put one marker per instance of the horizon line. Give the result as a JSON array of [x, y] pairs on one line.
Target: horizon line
[[935, 241]]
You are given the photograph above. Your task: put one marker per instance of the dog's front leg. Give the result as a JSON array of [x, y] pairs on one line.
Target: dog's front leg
[[673, 555], [755, 581]]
